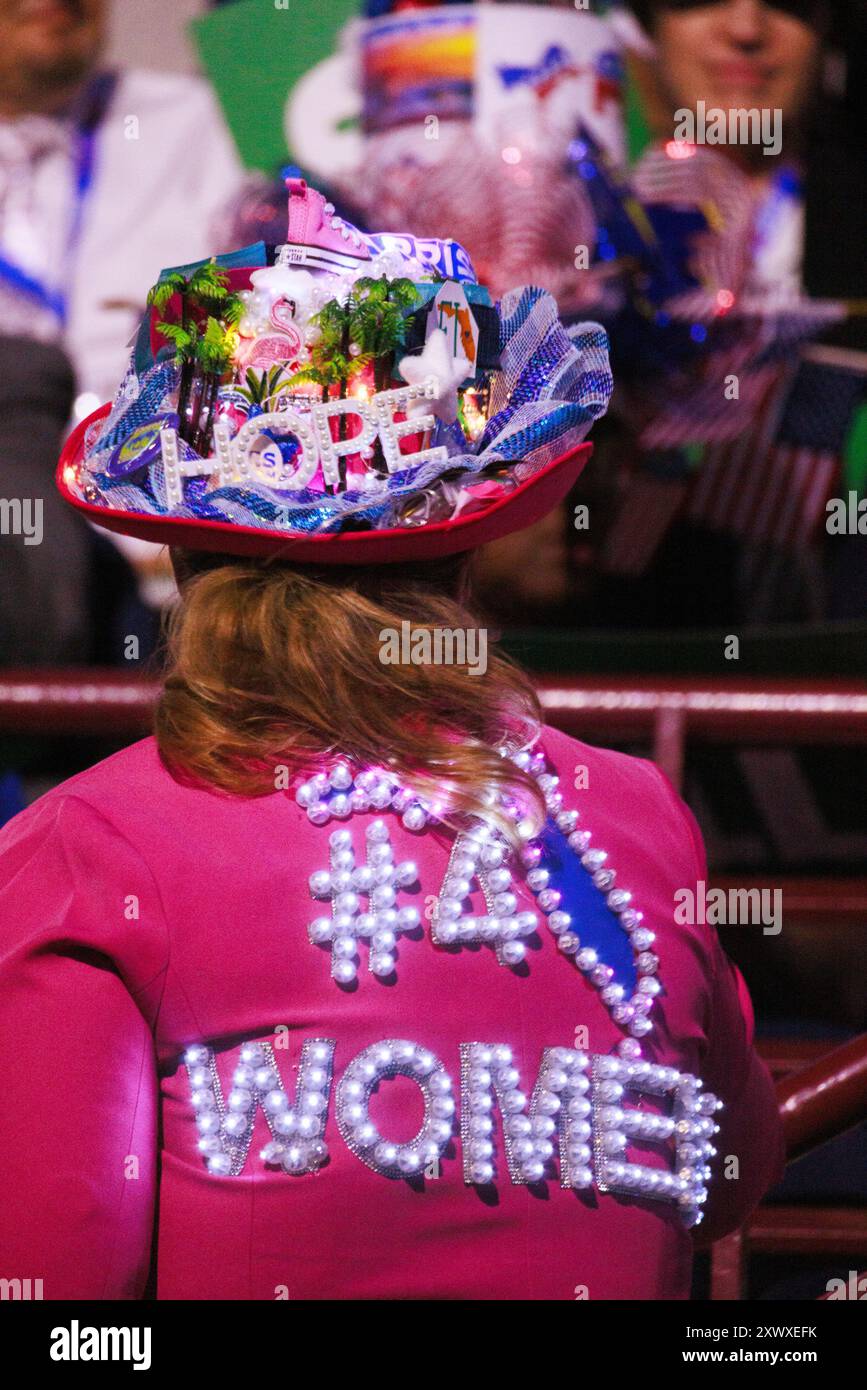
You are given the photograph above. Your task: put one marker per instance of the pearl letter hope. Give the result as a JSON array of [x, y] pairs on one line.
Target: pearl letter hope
[[235, 465], [577, 1117]]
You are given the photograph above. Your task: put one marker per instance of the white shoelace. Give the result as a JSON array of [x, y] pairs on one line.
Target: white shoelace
[[348, 233]]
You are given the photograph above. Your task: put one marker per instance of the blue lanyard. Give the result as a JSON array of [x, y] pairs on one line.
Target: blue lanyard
[[56, 300]]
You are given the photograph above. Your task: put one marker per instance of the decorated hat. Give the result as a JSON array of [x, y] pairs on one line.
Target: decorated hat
[[340, 398]]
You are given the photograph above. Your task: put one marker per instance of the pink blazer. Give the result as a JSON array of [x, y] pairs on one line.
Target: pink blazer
[[190, 1083]]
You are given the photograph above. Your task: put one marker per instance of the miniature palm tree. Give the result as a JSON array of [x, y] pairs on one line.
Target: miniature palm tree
[[369, 327], [183, 335], [215, 350], [331, 365], [377, 321], [204, 341], [261, 389]]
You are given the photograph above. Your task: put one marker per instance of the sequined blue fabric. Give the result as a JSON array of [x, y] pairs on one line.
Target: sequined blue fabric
[[593, 920]]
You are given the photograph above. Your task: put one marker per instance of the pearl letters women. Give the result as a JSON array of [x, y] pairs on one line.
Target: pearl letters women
[[576, 1118]]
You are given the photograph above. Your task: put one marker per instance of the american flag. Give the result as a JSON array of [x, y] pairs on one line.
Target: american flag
[[771, 484]]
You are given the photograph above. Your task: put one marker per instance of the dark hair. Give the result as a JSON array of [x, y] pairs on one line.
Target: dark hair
[[829, 11]]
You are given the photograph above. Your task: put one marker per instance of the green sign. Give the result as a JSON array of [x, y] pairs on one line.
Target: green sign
[[254, 52]]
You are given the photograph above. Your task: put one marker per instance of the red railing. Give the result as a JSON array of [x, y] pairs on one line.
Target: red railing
[[817, 1103], [662, 712]]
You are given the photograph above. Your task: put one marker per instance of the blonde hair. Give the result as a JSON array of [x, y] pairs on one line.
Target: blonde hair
[[276, 668]]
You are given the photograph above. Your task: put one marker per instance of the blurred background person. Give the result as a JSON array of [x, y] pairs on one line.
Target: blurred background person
[[704, 509], [106, 176], [734, 443]]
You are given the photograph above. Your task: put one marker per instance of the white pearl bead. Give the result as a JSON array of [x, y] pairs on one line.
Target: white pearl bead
[[365, 1134], [513, 952], [406, 873], [514, 1100], [446, 933], [340, 777], [492, 856], [481, 1172], [382, 897], [320, 883]]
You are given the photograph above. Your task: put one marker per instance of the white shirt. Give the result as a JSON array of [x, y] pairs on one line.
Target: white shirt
[[164, 168]]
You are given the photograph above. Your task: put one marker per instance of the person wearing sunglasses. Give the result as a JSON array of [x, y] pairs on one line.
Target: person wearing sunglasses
[[736, 54], [733, 59]]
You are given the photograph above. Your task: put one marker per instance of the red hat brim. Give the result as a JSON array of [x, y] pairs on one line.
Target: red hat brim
[[515, 510]]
